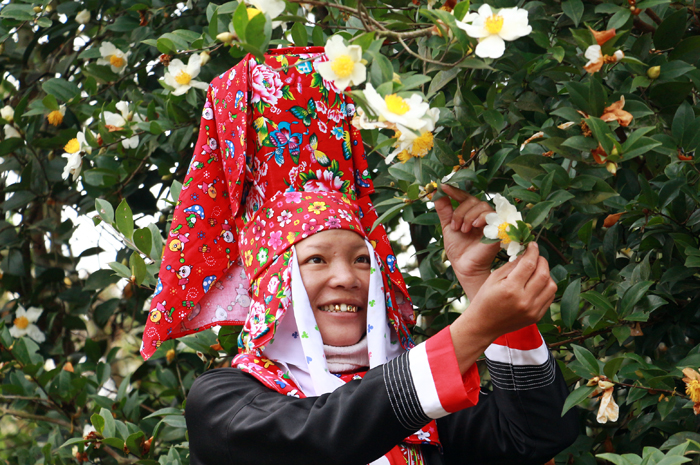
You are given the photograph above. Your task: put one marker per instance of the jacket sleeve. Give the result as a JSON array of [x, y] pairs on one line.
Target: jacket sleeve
[[521, 417]]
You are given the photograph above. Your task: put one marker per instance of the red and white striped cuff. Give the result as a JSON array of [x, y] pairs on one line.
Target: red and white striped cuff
[[520, 360], [440, 386]]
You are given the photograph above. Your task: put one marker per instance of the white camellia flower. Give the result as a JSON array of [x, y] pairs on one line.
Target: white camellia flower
[[7, 113], [497, 225], [74, 150], [344, 65], [113, 57], [410, 144], [596, 59], [10, 131], [408, 113], [117, 121], [181, 77], [83, 17], [492, 29], [273, 8], [23, 324]]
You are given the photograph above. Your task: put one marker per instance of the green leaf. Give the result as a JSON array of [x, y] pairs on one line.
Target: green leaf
[[528, 166], [240, 19], [586, 359], [138, 268], [570, 303], [633, 295], [109, 426], [573, 9], [143, 240], [683, 122], [299, 35], [616, 459], [61, 89], [671, 30], [441, 79], [124, 219], [576, 397], [134, 442], [100, 279], [601, 131], [538, 213], [598, 300], [98, 422], [105, 210]]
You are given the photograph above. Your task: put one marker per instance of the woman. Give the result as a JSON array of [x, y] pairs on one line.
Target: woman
[[327, 302]]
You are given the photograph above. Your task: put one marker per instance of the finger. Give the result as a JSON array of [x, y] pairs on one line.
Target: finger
[[480, 220], [472, 215], [444, 209], [526, 266], [455, 194], [462, 213], [545, 307], [540, 277], [505, 270]]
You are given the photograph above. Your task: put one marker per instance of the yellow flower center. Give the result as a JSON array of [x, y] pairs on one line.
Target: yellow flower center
[[22, 322], [343, 66], [55, 118], [116, 61], [404, 156], [494, 24], [396, 104], [252, 12], [503, 233], [692, 389], [72, 146], [422, 145], [183, 78]]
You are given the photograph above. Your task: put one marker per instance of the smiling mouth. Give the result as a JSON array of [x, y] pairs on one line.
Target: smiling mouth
[[339, 308]]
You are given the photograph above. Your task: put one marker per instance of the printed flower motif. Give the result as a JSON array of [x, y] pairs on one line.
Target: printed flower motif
[[262, 256], [275, 240], [266, 83], [113, 57], [692, 387], [596, 59], [344, 66], [273, 285], [310, 228], [256, 320], [337, 132], [182, 78], [257, 231], [497, 225], [294, 197], [615, 112], [23, 325], [423, 435], [83, 17], [56, 117], [291, 235], [395, 109], [248, 255], [285, 217], [317, 207], [494, 28], [345, 215], [117, 122], [326, 181], [333, 222]]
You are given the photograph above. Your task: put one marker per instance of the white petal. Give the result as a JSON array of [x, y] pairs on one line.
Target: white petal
[[113, 119], [169, 79], [513, 250], [16, 332], [199, 85], [176, 66], [493, 219], [107, 49], [335, 47], [131, 142], [359, 74], [491, 231], [593, 53], [514, 24], [491, 47], [194, 65], [33, 314], [485, 11], [123, 108], [35, 333], [325, 70], [181, 89]]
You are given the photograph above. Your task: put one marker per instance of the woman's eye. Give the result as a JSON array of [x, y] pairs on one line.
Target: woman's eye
[[314, 260], [364, 259]]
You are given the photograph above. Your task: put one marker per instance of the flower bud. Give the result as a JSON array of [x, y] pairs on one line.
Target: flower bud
[[205, 58], [83, 17], [611, 167], [605, 384], [654, 72], [170, 355], [226, 37], [593, 381], [7, 113], [37, 9]]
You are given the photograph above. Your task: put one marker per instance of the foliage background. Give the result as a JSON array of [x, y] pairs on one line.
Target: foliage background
[[627, 306]]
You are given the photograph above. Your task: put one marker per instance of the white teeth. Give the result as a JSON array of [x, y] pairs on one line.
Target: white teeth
[[339, 308]]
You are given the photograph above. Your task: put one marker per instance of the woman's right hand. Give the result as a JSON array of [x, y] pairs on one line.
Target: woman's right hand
[[516, 295]]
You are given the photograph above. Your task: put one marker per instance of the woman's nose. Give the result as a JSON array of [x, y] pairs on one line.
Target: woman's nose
[[344, 275]]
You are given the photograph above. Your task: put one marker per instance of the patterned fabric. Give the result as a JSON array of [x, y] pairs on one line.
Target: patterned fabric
[[267, 127]]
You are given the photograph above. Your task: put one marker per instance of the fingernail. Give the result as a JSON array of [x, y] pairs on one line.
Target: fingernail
[[454, 225], [475, 222], [465, 228], [535, 245]]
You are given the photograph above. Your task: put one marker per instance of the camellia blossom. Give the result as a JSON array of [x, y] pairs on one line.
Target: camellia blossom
[[23, 324], [83, 17], [113, 57], [7, 113], [692, 387], [74, 150], [56, 117], [596, 59], [497, 225], [395, 109], [117, 122], [493, 29], [615, 112], [409, 144], [273, 8], [181, 77], [362, 121], [10, 131], [344, 67]]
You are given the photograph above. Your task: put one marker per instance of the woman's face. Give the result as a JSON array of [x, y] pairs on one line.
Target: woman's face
[[335, 267]]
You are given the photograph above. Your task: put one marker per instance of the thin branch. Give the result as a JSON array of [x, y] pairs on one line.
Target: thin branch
[[31, 416]]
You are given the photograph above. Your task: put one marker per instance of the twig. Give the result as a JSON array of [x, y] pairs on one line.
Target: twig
[[557, 251], [31, 416]]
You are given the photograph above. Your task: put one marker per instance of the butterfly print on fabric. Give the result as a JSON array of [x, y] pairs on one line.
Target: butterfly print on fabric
[[305, 114], [284, 137]]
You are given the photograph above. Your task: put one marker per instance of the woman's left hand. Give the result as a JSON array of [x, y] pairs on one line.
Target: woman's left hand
[[463, 228]]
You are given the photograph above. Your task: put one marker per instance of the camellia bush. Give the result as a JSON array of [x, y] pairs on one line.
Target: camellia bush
[[582, 115]]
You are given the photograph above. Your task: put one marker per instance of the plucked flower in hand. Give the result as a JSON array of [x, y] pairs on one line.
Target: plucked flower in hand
[[23, 324], [181, 77], [692, 387], [113, 57], [507, 226], [395, 109], [344, 66], [494, 28]]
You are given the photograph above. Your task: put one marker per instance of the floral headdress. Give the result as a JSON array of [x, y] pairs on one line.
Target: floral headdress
[[267, 127]]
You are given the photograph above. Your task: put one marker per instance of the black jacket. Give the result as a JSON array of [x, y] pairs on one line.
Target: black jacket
[[232, 418]]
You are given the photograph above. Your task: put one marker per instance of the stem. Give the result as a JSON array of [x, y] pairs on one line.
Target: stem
[[31, 416]]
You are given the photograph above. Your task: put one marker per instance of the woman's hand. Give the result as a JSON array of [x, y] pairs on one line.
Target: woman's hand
[[516, 295], [462, 230]]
